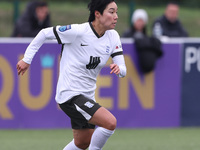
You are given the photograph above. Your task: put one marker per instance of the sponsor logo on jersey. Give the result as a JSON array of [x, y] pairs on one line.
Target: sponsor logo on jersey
[[94, 62], [64, 28], [89, 105]]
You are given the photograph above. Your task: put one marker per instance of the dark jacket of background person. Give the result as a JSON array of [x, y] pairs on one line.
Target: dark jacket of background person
[[168, 28], [148, 48], [28, 25], [169, 24]]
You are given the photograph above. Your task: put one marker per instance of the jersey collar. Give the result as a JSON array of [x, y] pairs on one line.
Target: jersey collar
[[94, 30]]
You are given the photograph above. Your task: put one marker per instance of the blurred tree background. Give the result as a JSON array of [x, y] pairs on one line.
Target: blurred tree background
[[75, 11]]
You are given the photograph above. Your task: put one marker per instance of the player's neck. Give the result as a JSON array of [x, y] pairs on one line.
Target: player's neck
[[98, 28]]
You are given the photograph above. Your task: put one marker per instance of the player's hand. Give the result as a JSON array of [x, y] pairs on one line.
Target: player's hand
[[114, 69], [22, 67]]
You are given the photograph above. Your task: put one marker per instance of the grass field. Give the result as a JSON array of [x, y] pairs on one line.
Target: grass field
[[123, 139], [66, 13]]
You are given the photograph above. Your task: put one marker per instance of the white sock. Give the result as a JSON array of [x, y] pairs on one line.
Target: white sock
[[99, 138], [71, 146]]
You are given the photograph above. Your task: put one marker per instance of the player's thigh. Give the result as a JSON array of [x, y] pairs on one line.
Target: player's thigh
[[103, 118], [82, 137]]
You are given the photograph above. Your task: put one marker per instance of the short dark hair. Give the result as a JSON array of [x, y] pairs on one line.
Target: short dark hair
[[41, 3], [97, 5]]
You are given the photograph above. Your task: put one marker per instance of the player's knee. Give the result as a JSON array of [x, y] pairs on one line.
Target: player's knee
[[112, 123], [82, 144]]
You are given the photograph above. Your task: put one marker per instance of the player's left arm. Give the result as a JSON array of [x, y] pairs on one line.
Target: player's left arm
[[118, 67]]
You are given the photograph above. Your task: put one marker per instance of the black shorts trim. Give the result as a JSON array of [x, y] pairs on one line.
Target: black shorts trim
[[80, 109]]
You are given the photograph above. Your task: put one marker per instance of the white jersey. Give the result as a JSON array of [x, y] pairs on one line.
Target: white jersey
[[84, 55]]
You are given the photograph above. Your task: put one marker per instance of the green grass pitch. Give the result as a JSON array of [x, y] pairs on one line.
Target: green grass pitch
[[123, 139]]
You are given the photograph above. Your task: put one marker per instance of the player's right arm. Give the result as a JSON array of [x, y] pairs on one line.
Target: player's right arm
[[33, 47], [63, 34], [22, 67]]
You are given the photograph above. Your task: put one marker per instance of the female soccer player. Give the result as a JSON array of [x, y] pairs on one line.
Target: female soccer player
[[86, 49]]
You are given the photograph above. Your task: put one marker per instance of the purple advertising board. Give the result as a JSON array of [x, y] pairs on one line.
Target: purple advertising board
[[137, 101]]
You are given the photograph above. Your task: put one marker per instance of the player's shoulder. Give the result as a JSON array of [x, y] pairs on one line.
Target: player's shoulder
[[82, 28], [82, 25], [113, 34]]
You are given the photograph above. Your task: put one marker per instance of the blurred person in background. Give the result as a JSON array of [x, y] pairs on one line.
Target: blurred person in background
[[148, 48], [138, 24], [169, 24], [35, 18], [86, 49]]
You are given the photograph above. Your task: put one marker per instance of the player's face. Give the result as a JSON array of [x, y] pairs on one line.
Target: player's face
[[109, 17]]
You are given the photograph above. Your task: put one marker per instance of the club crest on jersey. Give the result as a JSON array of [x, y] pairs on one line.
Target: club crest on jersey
[[107, 49], [64, 28]]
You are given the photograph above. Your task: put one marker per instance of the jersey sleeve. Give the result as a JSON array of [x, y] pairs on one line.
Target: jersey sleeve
[[117, 47], [117, 55], [66, 34], [37, 42]]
